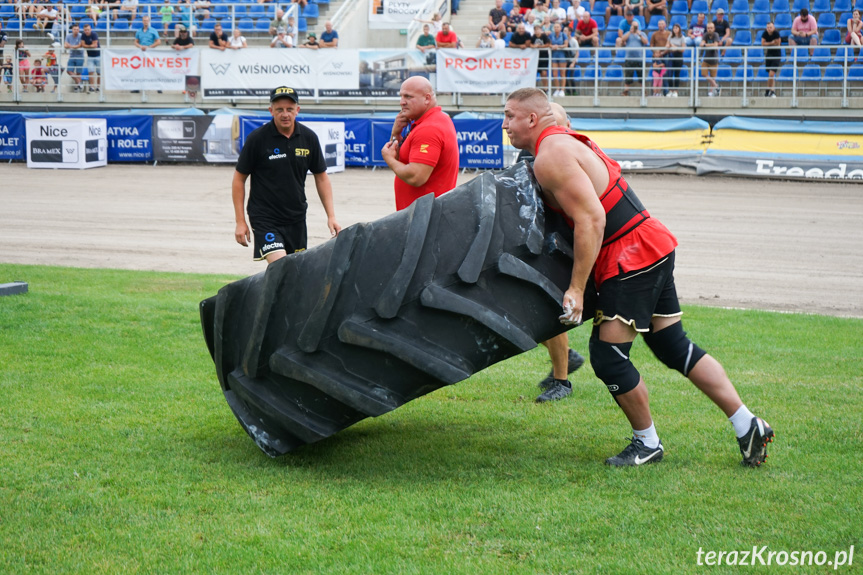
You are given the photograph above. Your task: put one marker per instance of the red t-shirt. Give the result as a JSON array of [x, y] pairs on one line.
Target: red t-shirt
[[446, 38], [586, 29], [431, 141]]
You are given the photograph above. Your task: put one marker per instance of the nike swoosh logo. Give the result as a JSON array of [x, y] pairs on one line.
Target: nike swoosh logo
[[748, 451], [639, 461]]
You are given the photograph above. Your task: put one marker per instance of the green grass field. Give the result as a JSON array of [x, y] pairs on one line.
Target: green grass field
[[118, 453]]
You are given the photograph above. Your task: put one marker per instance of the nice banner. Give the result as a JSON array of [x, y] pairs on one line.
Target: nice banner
[[149, 70]]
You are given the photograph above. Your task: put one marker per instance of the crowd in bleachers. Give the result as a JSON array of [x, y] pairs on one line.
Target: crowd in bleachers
[[667, 40]]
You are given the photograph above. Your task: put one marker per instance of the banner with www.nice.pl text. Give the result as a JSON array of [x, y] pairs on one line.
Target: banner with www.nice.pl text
[[254, 72], [148, 69], [489, 71]]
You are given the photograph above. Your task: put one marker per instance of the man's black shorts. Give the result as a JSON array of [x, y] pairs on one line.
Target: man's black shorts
[[636, 297], [271, 238]]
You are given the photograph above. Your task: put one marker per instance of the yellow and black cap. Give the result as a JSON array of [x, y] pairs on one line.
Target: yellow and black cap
[[284, 92]]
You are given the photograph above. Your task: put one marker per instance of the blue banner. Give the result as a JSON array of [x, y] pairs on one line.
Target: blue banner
[[357, 135], [130, 138], [12, 137], [480, 143], [381, 130]]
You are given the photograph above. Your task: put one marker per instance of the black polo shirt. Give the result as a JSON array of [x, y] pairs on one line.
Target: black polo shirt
[[278, 166]]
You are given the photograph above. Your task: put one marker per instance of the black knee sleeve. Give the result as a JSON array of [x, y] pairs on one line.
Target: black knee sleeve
[[610, 362], [673, 348]]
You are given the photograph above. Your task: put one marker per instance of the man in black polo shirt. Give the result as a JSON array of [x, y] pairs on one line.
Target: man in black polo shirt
[[277, 156]]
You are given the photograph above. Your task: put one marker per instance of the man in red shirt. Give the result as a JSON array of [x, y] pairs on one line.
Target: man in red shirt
[[586, 31], [446, 38], [425, 159]]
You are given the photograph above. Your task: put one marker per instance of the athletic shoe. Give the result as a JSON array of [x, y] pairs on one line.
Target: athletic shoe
[[766, 93], [718, 90], [636, 453], [753, 445], [772, 94], [50, 35], [710, 93], [575, 361], [560, 389]]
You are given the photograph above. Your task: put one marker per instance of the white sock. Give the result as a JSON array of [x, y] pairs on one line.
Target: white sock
[[647, 436], [741, 420]]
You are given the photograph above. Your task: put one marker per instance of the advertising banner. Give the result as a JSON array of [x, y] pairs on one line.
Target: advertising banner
[[480, 143], [331, 136], [66, 143], [486, 71], [254, 72], [781, 166], [12, 137], [149, 70], [394, 14], [381, 73], [130, 138]]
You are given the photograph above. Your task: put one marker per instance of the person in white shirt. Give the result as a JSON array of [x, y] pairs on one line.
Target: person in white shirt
[[556, 13], [575, 11], [237, 41], [282, 39]]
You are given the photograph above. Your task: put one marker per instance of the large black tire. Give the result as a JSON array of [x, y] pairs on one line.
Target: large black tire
[[390, 310]]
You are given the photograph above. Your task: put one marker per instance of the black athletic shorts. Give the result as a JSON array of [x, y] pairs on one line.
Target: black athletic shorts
[[271, 238], [637, 296], [772, 63]]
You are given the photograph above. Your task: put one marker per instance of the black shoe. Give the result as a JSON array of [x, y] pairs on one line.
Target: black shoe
[[766, 93], [753, 445], [575, 361], [636, 453], [560, 389]]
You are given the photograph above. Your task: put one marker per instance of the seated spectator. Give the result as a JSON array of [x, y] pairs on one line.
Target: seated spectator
[[521, 39], [540, 12], [166, 11], [218, 39], [804, 30], [45, 19], [696, 31], [311, 42], [300, 3], [329, 38], [525, 6], [426, 43], [586, 31], [624, 27], [557, 14], [277, 22], [237, 41], [637, 6], [284, 40], [499, 43], [128, 9], [497, 18], [772, 42], [632, 38], [710, 48], [615, 8], [656, 7], [183, 41], [187, 18], [659, 40], [446, 38], [514, 19], [855, 29], [575, 12], [485, 39], [722, 28], [530, 24], [38, 78], [202, 9], [95, 9]]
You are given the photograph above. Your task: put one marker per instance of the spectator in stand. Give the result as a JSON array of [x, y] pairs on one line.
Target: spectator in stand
[[710, 48], [426, 43], [76, 57], [520, 39], [530, 24], [202, 9], [659, 40], [166, 11], [855, 30], [218, 39], [146, 38], [45, 20], [237, 41], [95, 9], [615, 8], [22, 54], [7, 71], [674, 65], [637, 6], [587, 31], [446, 38], [624, 27], [90, 41], [329, 38], [187, 19], [277, 22], [514, 19], [525, 6], [556, 14], [499, 43], [485, 39], [3, 39], [52, 67], [436, 22], [37, 76], [183, 41], [632, 38], [574, 13], [804, 30], [284, 40], [696, 31], [772, 42], [311, 42], [559, 58], [497, 18], [723, 28], [656, 7], [301, 4], [540, 12], [542, 42], [128, 9]]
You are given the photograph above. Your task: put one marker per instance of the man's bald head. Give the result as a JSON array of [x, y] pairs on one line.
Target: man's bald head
[[561, 118], [416, 97]]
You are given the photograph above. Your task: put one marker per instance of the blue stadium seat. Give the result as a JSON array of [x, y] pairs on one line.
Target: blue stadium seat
[[507, 6], [855, 73], [679, 7], [786, 73], [761, 74], [609, 39], [208, 25], [842, 21], [739, 7], [573, 74], [724, 73], [680, 20], [755, 56], [257, 11], [613, 73], [732, 57], [841, 5], [7, 10], [590, 74], [811, 73], [741, 22], [800, 52], [821, 6], [246, 25], [831, 38], [800, 5], [613, 23], [619, 57], [740, 70], [759, 23], [599, 9], [781, 7], [13, 25], [262, 25], [827, 20], [742, 38], [717, 4], [783, 21], [220, 11], [698, 6], [120, 25], [642, 25], [302, 25], [605, 57], [760, 7], [654, 24], [833, 73], [311, 11], [600, 23], [565, 5]]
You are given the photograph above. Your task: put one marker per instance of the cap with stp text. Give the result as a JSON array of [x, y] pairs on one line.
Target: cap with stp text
[[284, 92]]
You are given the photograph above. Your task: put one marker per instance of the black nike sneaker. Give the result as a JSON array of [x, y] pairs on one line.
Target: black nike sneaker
[[753, 445], [575, 361], [636, 453], [560, 389]]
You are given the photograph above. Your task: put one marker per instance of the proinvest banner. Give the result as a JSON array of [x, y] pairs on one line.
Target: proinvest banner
[[148, 70], [486, 71], [253, 73]]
